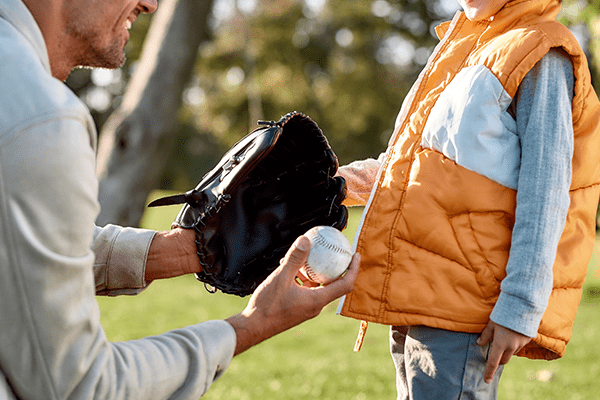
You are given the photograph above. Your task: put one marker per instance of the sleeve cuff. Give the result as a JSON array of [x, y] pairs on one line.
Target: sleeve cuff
[[508, 307], [220, 341], [121, 255]]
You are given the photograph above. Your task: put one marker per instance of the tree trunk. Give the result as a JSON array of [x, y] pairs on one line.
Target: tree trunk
[[137, 139]]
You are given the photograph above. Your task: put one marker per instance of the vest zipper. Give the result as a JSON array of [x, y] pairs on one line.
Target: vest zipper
[[401, 122]]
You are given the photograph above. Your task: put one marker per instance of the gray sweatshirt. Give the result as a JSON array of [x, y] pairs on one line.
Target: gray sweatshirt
[[53, 259]]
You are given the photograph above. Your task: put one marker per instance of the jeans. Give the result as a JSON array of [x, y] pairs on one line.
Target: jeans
[[439, 364]]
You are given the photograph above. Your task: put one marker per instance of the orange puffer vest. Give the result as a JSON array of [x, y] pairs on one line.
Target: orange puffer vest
[[436, 232]]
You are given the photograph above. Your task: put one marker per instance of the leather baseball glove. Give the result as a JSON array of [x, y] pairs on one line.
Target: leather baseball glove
[[271, 187]]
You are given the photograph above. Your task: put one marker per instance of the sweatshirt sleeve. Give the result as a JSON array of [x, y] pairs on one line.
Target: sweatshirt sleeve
[[120, 259], [52, 345], [544, 126]]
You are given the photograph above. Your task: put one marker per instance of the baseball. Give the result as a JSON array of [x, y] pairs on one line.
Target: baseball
[[330, 254]]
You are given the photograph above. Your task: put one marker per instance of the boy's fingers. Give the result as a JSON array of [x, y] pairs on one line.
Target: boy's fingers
[[486, 335], [492, 364]]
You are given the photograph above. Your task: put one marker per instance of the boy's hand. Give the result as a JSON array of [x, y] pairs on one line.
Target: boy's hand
[[504, 343]]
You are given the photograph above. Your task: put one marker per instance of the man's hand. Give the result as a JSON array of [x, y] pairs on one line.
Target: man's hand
[[280, 302], [504, 343]]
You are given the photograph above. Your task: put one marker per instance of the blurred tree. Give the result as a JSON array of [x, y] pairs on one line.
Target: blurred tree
[[346, 64], [136, 141], [583, 19]]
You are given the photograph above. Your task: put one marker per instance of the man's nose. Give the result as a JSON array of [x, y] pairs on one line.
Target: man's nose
[[148, 6]]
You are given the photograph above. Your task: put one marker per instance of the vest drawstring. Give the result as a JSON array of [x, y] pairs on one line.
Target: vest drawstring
[[361, 335]]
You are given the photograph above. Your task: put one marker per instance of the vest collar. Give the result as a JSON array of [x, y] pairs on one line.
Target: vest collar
[[514, 12]]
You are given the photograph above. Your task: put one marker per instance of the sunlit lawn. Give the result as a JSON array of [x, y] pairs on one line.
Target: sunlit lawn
[[315, 360]]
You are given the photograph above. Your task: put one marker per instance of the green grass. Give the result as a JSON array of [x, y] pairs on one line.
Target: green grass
[[575, 376], [315, 360]]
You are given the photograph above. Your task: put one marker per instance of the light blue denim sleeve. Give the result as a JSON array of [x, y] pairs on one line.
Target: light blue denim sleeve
[[545, 129]]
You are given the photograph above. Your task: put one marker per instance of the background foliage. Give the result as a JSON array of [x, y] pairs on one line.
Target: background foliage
[[346, 64]]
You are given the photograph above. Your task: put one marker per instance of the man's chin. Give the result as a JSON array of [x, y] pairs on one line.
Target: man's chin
[[111, 59]]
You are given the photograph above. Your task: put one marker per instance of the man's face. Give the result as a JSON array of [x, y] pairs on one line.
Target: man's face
[[477, 10], [98, 29]]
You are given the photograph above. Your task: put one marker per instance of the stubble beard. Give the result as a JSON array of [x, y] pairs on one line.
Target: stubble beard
[[111, 56]]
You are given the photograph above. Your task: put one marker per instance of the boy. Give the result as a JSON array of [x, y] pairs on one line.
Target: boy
[[481, 219]]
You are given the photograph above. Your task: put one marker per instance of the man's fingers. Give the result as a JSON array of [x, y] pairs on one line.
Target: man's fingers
[[296, 256], [353, 269], [303, 280], [345, 284]]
